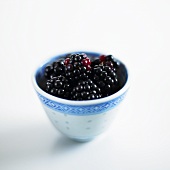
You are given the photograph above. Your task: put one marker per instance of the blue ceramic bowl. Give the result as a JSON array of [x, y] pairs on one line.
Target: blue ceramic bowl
[[80, 120]]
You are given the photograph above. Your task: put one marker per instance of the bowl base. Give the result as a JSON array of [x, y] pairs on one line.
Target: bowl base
[[82, 139]]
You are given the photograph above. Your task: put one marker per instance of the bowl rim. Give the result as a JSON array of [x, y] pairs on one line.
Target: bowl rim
[[74, 102]]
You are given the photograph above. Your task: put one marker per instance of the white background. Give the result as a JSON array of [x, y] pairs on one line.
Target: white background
[[136, 32]]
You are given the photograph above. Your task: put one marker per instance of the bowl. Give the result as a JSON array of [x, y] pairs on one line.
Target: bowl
[[80, 120]]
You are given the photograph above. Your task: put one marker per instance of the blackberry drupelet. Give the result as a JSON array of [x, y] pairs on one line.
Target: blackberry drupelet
[[86, 90]]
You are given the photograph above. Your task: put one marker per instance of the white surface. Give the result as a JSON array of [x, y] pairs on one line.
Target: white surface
[[136, 32]]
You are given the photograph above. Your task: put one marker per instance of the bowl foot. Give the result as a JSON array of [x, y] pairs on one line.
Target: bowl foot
[[82, 139]]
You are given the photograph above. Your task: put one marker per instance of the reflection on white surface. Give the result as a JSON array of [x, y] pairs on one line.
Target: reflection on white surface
[[34, 145]]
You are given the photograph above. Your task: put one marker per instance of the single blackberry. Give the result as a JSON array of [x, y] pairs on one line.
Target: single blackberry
[[55, 69], [86, 90], [58, 86], [110, 61], [106, 79], [107, 60], [77, 67], [111, 58]]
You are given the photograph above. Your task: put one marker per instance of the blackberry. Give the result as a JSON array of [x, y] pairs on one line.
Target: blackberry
[[86, 90], [113, 60], [107, 60], [110, 61], [55, 69], [106, 79], [58, 86], [77, 67]]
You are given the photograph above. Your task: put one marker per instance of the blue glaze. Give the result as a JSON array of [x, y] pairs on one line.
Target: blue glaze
[[81, 110]]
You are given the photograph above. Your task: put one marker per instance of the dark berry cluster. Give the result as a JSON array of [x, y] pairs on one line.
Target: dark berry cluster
[[78, 77]]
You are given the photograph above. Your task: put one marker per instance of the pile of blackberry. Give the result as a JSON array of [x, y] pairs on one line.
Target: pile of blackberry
[[78, 77]]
